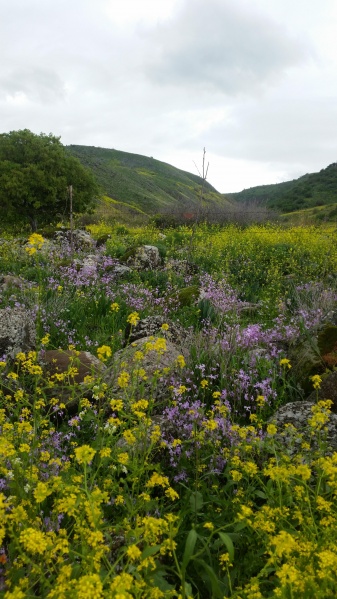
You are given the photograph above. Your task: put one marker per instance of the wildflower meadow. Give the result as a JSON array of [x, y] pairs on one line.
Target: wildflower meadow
[[152, 479]]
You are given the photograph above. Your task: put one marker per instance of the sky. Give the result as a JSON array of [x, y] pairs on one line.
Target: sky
[[254, 82]]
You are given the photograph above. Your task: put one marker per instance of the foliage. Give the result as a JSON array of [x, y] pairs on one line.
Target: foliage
[[194, 497], [35, 172], [311, 190], [146, 183]]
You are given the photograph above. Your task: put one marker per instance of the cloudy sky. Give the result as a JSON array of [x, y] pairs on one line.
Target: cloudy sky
[[252, 81]]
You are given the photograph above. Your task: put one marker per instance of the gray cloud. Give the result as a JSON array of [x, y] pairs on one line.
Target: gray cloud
[[36, 83], [218, 46]]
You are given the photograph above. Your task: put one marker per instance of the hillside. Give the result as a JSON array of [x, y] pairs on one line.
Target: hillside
[[146, 183], [309, 191]]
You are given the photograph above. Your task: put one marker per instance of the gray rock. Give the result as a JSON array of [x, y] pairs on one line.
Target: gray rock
[[151, 325], [144, 257], [291, 421], [17, 331], [73, 388], [157, 367]]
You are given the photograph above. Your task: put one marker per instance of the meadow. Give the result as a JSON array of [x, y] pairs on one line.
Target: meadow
[[187, 493]]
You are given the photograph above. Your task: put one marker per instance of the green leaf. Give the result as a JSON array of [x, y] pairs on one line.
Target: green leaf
[[227, 541], [216, 591], [260, 494], [196, 501], [189, 547], [150, 551]]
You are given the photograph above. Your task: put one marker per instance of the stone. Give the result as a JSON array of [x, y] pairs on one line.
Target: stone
[[327, 390], [296, 414], [58, 361], [13, 282], [143, 257], [155, 367], [306, 361], [81, 239], [17, 331], [152, 325]]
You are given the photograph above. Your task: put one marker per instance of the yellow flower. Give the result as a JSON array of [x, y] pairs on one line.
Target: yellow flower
[[209, 525], [104, 352], [89, 587], [45, 339], [84, 454], [123, 458], [316, 381], [203, 383], [285, 362], [116, 405], [114, 307], [271, 429], [41, 492], [133, 552], [165, 327], [123, 379], [129, 437], [172, 494], [105, 452], [33, 541], [133, 318]]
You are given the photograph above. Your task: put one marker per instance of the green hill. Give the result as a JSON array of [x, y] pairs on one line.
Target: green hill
[[310, 191], [145, 183]]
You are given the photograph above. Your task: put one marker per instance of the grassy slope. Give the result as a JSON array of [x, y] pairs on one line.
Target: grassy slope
[[309, 191], [143, 182]]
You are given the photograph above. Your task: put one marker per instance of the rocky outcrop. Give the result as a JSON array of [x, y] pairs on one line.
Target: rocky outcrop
[[143, 370], [294, 428], [143, 257], [17, 331], [67, 369], [152, 325]]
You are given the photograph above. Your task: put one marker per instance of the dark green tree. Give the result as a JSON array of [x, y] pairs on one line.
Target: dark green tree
[[35, 174]]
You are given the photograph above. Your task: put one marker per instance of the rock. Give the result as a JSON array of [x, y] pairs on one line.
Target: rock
[[13, 282], [58, 361], [182, 267], [306, 361], [143, 257], [297, 415], [121, 270], [17, 331], [151, 325], [81, 239], [155, 364], [328, 390]]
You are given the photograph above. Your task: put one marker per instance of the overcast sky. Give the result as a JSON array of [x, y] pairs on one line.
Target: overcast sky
[[252, 81]]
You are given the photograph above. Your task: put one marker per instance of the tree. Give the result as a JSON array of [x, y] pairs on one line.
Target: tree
[[35, 174]]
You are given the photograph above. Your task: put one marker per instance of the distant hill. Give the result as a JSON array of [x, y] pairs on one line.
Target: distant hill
[[310, 191], [145, 183]]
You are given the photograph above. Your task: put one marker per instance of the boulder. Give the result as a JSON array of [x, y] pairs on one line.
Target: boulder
[[291, 421], [17, 331], [143, 257], [72, 388], [81, 239], [152, 325], [148, 363], [327, 390], [12, 282]]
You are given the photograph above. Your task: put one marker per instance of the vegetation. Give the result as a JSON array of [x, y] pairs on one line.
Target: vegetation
[[35, 173], [194, 494], [310, 191], [146, 183]]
